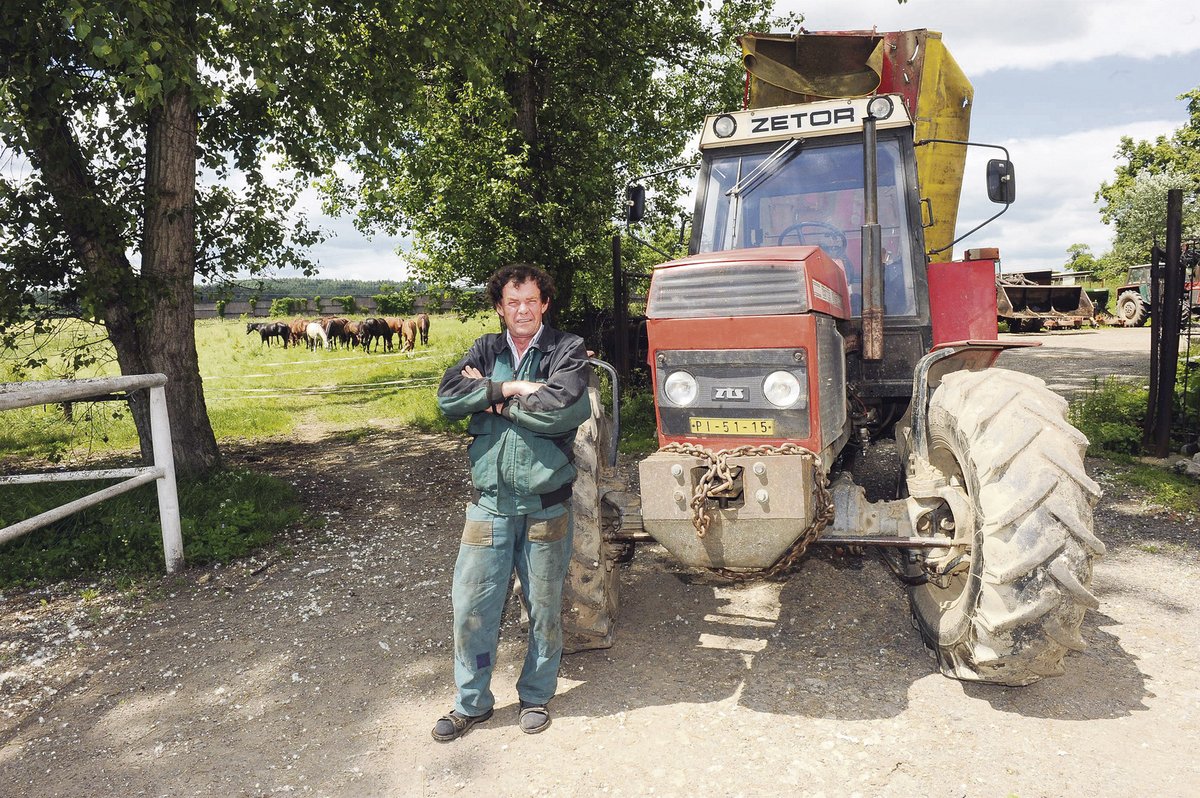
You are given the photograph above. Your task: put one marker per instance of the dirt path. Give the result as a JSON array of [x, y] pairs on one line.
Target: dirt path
[[319, 668]]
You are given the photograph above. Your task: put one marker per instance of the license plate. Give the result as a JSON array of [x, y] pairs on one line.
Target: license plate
[[732, 426]]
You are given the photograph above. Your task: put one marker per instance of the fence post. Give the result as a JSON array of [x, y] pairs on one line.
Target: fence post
[[168, 496]]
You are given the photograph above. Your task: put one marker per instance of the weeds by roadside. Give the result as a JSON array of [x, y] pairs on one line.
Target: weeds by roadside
[[1172, 491], [224, 515], [1112, 417]]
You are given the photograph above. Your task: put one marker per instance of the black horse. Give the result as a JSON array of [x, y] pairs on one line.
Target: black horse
[[269, 330], [373, 330]]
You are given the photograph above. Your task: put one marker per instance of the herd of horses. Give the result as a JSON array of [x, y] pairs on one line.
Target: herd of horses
[[329, 332]]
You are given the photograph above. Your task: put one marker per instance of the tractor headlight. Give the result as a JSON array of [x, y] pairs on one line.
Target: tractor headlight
[[680, 388], [782, 388]]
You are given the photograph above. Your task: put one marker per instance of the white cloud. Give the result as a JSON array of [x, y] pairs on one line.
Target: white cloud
[[1057, 178], [1023, 34]]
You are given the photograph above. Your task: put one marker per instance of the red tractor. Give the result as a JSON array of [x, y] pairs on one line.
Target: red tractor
[[813, 315]]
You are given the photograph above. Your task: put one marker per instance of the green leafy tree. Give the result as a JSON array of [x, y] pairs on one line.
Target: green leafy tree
[[112, 109], [1080, 258], [1139, 214], [529, 161], [286, 306], [1134, 202]]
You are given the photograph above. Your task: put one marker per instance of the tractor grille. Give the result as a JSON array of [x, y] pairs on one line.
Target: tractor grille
[[712, 290]]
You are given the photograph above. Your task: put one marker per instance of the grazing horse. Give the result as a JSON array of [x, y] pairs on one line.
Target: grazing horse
[[298, 328], [373, 329], [353, 332], [423, 328], [316, 333], [408, 335], [335, 329], [396, 328], [269, 330]]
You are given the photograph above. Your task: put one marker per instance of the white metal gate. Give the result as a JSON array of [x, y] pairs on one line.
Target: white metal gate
[[28, 394]]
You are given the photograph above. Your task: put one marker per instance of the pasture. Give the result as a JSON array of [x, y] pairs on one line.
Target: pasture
[[253, 390]]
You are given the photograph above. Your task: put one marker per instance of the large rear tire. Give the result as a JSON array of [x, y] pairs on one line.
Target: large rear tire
[[1131, 310], [592, 587], [1003, 440]]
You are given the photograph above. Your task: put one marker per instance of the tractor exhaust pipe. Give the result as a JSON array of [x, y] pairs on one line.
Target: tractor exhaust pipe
[[872, 248]]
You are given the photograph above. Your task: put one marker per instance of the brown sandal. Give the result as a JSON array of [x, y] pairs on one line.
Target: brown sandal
[[455, 725]]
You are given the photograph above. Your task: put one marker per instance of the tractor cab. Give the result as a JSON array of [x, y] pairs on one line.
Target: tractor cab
[[811, 192]]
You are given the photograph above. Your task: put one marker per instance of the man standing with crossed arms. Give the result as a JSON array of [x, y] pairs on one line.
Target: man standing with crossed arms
[[525, 390]]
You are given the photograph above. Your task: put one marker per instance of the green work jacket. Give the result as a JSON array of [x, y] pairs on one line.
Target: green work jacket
[[521, 454]]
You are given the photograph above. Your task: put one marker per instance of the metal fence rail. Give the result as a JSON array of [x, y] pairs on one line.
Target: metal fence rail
[[29, 394]]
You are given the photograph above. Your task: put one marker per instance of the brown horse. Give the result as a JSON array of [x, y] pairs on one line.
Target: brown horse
[[298, 327], [353, 334], [423, 328], [335, 329], [408, 335]]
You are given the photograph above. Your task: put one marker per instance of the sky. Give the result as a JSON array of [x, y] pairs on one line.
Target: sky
[[1057, 82]]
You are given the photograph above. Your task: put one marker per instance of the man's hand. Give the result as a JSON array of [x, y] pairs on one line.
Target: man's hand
[[510, 388], [520, 387]]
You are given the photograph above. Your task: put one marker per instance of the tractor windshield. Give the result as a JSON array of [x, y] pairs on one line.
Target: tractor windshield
[[812, 194]]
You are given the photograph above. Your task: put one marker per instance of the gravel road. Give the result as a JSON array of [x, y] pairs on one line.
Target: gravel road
[[319, 667], [1072, 361]]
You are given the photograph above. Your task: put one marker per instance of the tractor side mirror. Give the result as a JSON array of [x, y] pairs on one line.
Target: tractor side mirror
[[635, 203], [1001, 181]]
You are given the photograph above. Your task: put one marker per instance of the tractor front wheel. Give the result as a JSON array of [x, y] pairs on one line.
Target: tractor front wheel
[[1007, 608], [1131, 310]]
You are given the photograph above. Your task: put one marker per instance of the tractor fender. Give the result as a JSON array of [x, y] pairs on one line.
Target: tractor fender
[[972, 355]]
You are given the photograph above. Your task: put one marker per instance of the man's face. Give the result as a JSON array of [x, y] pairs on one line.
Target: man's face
[[521, 306]]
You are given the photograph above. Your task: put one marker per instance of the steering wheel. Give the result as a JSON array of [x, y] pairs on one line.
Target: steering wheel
[[802, 230]]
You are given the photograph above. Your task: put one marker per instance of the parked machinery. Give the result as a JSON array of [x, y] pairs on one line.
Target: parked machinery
[[813, 315]]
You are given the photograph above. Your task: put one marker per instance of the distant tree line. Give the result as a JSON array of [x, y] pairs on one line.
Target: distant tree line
[[241, 291]]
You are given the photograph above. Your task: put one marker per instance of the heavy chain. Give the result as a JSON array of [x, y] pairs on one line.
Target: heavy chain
[[719, 477]]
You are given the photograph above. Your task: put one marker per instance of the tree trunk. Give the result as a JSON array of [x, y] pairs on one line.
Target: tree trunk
[[149, 318], [168, 336]]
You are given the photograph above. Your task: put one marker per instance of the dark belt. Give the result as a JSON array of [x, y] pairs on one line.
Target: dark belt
[[556, 496]]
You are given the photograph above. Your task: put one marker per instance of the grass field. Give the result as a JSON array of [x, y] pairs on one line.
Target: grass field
[[252, 390]]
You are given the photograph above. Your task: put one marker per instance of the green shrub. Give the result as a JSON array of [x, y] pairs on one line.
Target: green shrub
[[639, 430], [224, 515], [285, 306], [348, 304], [1111, 416], [395, 302]]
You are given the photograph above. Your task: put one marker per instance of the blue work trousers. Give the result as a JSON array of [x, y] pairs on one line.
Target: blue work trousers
[[538, 546]]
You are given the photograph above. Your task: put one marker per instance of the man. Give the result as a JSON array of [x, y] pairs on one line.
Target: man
[[525, 391]]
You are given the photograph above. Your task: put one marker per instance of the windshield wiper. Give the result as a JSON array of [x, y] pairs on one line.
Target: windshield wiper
[[770, 165]]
